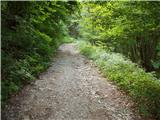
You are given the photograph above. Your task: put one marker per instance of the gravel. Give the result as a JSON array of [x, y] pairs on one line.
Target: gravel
[[71, 89]]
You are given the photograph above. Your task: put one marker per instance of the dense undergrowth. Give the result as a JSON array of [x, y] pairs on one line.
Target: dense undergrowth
[[143, 87], [31, 33]]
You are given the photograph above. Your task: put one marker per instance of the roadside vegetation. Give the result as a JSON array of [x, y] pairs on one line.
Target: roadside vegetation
[[123, 39], [31, 33], [143, 87]]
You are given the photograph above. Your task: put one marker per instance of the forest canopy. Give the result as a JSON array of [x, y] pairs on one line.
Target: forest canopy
[[130, 28]]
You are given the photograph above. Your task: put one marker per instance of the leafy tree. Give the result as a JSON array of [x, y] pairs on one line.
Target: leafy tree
[[31, 31], [131, 28]]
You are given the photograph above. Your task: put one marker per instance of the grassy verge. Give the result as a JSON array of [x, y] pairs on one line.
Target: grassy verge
[[143, 87]]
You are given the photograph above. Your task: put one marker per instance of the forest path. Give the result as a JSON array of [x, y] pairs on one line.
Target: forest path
[[72, 88]]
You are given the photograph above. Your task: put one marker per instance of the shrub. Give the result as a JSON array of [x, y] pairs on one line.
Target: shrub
[[143, 87], [31, 32]]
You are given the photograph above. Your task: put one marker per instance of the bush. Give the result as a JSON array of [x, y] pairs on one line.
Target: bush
[[143, 87], [31, 33], [24, 56]]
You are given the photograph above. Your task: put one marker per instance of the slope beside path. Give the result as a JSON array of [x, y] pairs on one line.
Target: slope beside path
[[71, 89]]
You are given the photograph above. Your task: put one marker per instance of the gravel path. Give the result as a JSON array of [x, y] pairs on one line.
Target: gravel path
[[71, 89]]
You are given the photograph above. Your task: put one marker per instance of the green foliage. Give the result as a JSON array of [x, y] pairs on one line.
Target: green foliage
[[143, 87], [68, 39], [131, 28], [31, 32]]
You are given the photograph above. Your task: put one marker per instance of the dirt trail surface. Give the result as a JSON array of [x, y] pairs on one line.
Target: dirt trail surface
[[71, 89]]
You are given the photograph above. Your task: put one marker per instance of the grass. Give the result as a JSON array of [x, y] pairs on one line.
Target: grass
[[68, 39], [143, 87]]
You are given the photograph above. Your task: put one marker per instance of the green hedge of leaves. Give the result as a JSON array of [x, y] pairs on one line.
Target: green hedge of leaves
[[31, 33]]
